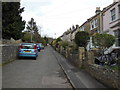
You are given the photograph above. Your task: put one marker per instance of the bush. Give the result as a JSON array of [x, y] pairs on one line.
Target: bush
[[64, 44], [103, 41], [26, 37], [81, 38], [74, 47], [53, 43]]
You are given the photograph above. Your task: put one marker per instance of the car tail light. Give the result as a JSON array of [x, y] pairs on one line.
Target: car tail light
[[35, 47], [20, 48]]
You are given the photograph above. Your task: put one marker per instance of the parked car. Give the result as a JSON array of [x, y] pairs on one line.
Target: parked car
[[28, 50], [41, 46], [38, 47]]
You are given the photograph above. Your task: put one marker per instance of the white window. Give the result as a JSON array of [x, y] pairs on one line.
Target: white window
[[94, 24], [119, 8], [82, 28], [113, 16]]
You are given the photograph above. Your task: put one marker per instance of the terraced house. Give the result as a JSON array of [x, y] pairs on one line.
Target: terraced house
[[73, 32], [69, 35], [105, 21], [86, 27], [92, 26], [111, 22]]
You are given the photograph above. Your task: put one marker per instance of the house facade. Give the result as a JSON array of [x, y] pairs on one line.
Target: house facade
[[111, 22], [93, 25], [65, 36], [69, 35], [73, 32], [95, 22], [105, 21]]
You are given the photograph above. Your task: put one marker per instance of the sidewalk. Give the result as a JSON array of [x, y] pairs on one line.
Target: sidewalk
[[78, 78]]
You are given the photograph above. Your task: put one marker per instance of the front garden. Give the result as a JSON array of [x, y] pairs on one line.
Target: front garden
[[104, 67]]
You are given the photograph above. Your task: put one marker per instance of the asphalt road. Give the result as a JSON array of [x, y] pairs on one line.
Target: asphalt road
[[45, 72]]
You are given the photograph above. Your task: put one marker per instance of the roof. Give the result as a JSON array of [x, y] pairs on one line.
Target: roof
[[84, 23], [108, 7]]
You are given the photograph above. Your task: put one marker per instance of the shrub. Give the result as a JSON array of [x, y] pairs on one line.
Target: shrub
[[81, 38], [64, 44], [103, 41], [74, 47]]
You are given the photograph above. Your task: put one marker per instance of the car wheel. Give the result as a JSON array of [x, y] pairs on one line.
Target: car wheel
[[19, 57], [35, 58]]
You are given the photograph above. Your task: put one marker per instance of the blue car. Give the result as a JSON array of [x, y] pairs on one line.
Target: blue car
[[28, 50], [41, 46], [38, 47]]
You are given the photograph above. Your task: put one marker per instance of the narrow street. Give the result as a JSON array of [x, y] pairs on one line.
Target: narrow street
[[50, 70], [45, 72], [71, 44]]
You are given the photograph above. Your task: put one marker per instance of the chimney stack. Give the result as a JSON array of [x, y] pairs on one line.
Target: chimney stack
[[77, 26], [97, 10], [73, 27]]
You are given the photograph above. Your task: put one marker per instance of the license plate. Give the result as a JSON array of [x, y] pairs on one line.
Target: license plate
[[26, 51]]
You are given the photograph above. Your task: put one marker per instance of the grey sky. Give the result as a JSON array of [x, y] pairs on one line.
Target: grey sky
[[56, 16]]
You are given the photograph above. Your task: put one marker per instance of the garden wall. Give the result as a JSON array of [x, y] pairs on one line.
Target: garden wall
[[107, 76], [9, 53]]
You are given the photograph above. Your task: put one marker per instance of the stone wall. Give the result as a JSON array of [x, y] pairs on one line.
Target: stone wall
[[82, 59], [11, 41], [0, 55], [107, 76], [73, 57], [9, 53]]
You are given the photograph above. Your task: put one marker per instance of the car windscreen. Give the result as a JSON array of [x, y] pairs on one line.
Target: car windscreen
[[28, 46], [40, 44], [37, 45]]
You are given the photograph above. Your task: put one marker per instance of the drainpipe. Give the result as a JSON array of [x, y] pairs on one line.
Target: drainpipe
[[101, 31]]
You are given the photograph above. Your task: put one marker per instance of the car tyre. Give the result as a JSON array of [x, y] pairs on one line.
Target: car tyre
[[19, 57], [35, 58]]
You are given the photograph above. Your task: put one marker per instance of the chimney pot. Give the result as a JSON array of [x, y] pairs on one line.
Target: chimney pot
[[97, 10]]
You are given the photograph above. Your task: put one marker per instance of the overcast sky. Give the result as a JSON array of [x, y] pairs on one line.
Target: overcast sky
[[56, 16]]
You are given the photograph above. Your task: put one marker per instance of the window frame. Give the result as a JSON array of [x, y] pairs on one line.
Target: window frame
[[94, 24], [113, 14], [82, 28], [119, 8]]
